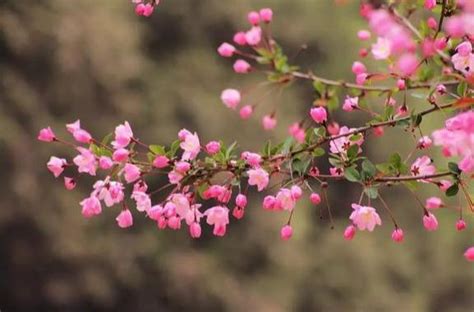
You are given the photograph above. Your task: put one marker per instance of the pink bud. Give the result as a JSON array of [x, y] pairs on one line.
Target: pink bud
[[363, 34], [296, 192], [120, 155], [460, 225], [433, 203], [266, 15], [162, 223], [401, 85], [160, 162], [430, 4], [441, 43], [239, 38], [430, 222], [56, 165], [253, 18], [82, 136], [241, 200], [148, 10], [46, 135], [432, 23], [226, 50], [69, 183], [444, 185], [319, 114], [469, 254], [349, 232], [213, 147], [361, 78], [195, 230], [363, 52], [246, 112], [238, 212], [269, 202], [315, 198], [269, 122], [358, 68], [242, 67], [397, 235], [286, 232], [231, 98], [174, 223], [105, 162], [378, 131], [333, 128], [124, 219], [253, 36], [131, 173]]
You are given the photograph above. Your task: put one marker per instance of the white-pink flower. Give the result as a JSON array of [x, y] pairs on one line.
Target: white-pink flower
[[218, 216], [123, 135], [258, 177], [56, 165], [191, 146], [365, 217], [85, 161], [382, 49]]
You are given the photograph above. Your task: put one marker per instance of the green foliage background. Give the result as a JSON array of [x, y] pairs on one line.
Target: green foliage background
[[94, 60]]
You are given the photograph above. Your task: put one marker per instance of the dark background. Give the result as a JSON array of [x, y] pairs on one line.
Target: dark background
[[95, 60]]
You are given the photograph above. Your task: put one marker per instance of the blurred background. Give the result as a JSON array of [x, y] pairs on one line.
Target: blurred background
[[61, 60]]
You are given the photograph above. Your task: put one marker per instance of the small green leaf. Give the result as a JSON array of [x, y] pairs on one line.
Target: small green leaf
[[351, 174], [369, 168], [453, 168], [157, 149], [462, 88], [318, 152], [452, 190], [353, 151], [371, 192]]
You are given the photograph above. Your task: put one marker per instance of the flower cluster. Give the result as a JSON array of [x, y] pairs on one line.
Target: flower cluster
[[209, 183]]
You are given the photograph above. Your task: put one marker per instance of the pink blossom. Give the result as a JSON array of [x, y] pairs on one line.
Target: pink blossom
[[297, 132], [124, 219], [467, 164], [182, 205], [336, 172], [266, 15], [349, 232], [363, 35], [91, 207], [441, 89], [69, 183], [401, 85], [253, 36], [144, 9], [350, 103], [407, 64], [432, 23], [213, 147], [142, 201], [422, 166], [430, 4], [269, 202], [430, 222], [469, 254], [85, 161], [105, 162], [80, 135], [397, 235], [286, 232], [160, 162], [333, 128], [269, 122], [342, 144], [242, 66], [444, 185], [434, 203], [296, 192], [56, 165], [315, 198], [175, 177], [238, 212], [454, 26], [241, 200], [361, 78], [131, 173], [253, 159], [424, 142], [123, 135], [120, 155], [382, 49], [319, 114], [365, 217], [378, 131], [46, 135], [461, 225], [111, 192], [246, 112], [231, 98], [218, 216], [358, 68], [258, 177], [239, 38], [191, 146], [195, 230], [253, 18], [285, 199], [226, 50]]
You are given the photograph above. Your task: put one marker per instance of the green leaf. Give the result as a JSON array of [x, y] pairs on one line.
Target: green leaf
[[353, 151], [333, 103], [416, 120], [453, 168], [355, 137], [173, 149], [320, 132], [452, 190], [157, 149], [319, 87], [318, 152], [371, 192], [231, 148], [352, 174], [369, 168], [462, 88]]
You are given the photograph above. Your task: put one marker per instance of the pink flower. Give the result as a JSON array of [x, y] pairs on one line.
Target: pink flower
[[191, 146], [111, 192], [56, 165], [319, 114], [124, 219], [253, 18], [401, 84], [69, 183], [142, 201], [85, 161], [253, 36], [226, 50], [469, 254], [144, 9], [433, 203], [382, 49], [378, 131], [131, 173], [80, 135], [424, 142], [349, 232], [365, 217], [286, 232], [123, 136], [350, 103], [239, 38], [195, 230], [422, 166], [238, 212], [241, 200], [460, 225], [269, 122], [467, 164], [336, 172], [269, 202], [258, 177], [358, 68], [430, 222], [242, 67], [444, 185], [182, 166], [46, 135], [91, 207], [231, 98], [430, 4], [105, 162], [285, 200], [218, 216], [464, 48], [266, 15], [397, 235], [333, 128], [246, 112], [407, 64], [175, 177], [120, 155], [297, 132], [160, 162], [432, 23], [363, 35], [296, 192], [315, 198], [361, 78]]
